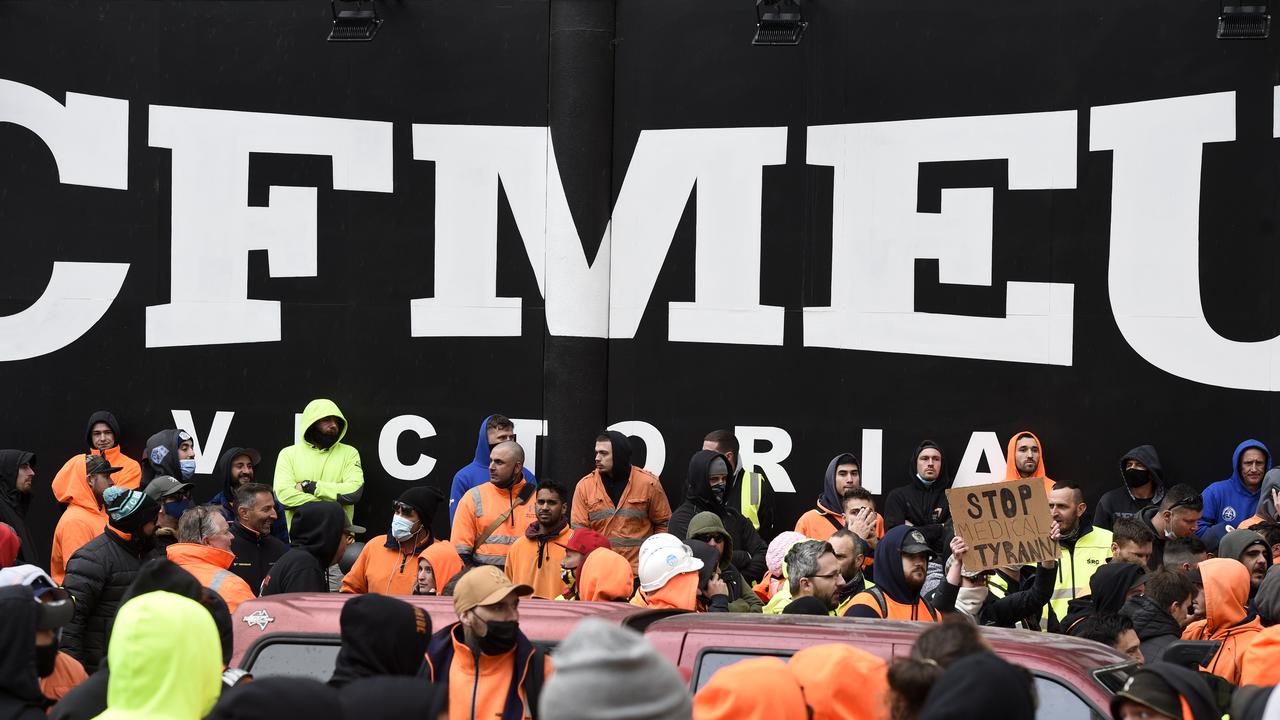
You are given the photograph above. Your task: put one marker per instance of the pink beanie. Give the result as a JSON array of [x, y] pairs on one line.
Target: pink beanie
[[778, 548]]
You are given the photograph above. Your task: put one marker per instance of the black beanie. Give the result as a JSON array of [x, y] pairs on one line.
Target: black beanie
[[423, 499]]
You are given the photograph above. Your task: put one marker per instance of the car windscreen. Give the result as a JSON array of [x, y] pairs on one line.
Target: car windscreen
[[292, 656]]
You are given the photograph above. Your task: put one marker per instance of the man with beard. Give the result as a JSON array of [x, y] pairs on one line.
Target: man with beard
[[235, 469], [319, 466], [1252, 551], [1235, 499], [850, 551], [842, 480], [624, 503], [493, 430], [387, 564], [708, 481], [1084, 550], [813, 572], [487, 667], [255, 548], [1143, 478], [902, 558], [968, 592], [1025, 459], [84, 516], [535, 557], [99, 573], [922, 503], [491, 517], [17, 476]]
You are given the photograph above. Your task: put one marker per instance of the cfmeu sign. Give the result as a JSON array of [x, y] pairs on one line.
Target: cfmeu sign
[[1004, 523]]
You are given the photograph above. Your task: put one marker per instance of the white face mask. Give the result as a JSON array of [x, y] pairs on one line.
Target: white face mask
[[969, 600], [401, 528]]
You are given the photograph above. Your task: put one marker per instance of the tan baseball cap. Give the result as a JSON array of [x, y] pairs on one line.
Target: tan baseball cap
[[484, 585]]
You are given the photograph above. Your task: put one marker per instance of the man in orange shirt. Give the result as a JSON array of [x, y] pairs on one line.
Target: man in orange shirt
[[492, 516], [1025, 459], [624, 503], [535, 558], [85, 517], [102, 434], [388, 563], [204, 550], [485, 665], [843, 480]]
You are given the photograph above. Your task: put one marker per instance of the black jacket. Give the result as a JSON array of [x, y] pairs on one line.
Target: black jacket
[[748, 547], [98, 575], [1156, 628], [1107, 589], [766, 511], [20, 696], [973, 687], [14, 504], [1157, 545], [924, 506], [316, 532], [1005, 611], [1120, 502], [255, 554], [380, 636]]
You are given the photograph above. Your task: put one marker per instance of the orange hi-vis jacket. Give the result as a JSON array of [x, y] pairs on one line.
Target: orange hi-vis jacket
[[1011, 467], [83, 520], [384, 568], [680, 593], [815, 524], [841, 682], [480, 686], [67, 674], [605, 576], [894, 610], [1226, 593], [210, 565], [643, 510], [479, 508], [537, 563]]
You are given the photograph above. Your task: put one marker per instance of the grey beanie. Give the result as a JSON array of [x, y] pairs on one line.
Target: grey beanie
[[718, 466], [642, 685]]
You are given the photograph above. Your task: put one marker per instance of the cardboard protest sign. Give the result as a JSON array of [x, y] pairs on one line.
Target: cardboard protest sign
[[1004, 523]]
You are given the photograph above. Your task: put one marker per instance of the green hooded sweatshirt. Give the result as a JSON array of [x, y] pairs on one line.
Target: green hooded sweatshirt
[[746, 600], [335, 471], [166, 660]]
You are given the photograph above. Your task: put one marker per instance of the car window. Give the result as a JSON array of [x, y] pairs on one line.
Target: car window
[[294, 658], [711, 660], [1059, 702]]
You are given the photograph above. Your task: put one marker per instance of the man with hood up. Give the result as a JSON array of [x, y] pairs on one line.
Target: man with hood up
[[320, 534], [922, 503], [1025, 459], [438, 564], [102, 436], [749, 490], [100, 572], [902, 559], [1252, 551], [1110, 588], [708, 481], [708, 528], [319, 466], [604, 576], [624, 503], [28, 649], [380, 636], [79, 485], [17, 477], [1143, 478], [841, 479], [387, 564], [494, 430], [1226, 594], [235, 469], [169, 452], [157, 672], [1235, 499], [1268, 494]]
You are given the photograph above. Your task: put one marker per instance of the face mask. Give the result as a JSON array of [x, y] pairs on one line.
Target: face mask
[[500, 638], [187, 468], [175, 509], [401, 528], [970, 600], [46, 657], [717, 491], [1133, 477]]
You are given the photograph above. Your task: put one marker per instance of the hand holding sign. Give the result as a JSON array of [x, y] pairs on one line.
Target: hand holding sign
[[1005, 523]]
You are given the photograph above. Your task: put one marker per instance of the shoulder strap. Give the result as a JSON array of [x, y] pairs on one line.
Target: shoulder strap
[[933, 614], [832, 519], [533, 681], [521, 499], [878, 594]]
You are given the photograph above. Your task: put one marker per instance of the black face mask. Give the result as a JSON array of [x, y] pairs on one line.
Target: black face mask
[[46, 658], [321, 440], [501, 637], [1133, 477]]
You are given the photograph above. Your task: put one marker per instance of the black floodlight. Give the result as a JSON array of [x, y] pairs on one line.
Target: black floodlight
[[354, 23], [778, 22], [1243, 21]]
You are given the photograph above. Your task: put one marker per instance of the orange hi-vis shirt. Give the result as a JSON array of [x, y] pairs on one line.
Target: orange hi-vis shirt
[[537, 563], [210, 565], [479, 508], [1011, 468], [384, 570], [83, 520], [643, 510]]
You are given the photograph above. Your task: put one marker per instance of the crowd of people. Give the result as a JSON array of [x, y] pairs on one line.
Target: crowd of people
[[128, 614]]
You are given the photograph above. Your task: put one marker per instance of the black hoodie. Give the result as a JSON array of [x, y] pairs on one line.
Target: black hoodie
[[20, 696], [615, 481], [749, 549], [889, 577], [161, 455], [1120, 502], [380, 636], [315, 534], [918, 503], [14, 504], [101, 416], [1156, 628], [979, 687], [1107, 589], [227, 495], [276, 698], [391, 698]]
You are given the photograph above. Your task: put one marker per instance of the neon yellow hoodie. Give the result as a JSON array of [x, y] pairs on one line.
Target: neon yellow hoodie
[[165, 658], [335, 471]]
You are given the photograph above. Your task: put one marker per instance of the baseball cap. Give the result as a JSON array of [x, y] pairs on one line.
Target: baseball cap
[[1150, 690], [914, 543], [584, 540], [162, 486], [56, 607], [484, 585], [95, 464]]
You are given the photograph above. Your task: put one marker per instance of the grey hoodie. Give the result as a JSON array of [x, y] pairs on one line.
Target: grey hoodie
[[1267, 507]]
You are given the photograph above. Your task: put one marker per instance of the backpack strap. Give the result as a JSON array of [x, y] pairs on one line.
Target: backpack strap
[[533, 680], [878, 594], [933, 614]]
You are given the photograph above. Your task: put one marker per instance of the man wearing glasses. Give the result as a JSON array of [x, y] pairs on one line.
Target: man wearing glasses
[[1175, 517], [813, 571], [388, 563], [494, 430], [1235, 499]]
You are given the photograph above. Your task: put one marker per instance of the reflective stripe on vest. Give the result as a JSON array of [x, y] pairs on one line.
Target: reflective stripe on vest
[[218, 579], [475, 495], [749, 497], [1075, 569]]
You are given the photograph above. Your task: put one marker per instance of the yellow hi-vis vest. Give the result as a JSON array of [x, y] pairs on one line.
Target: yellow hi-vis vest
[[750, 496], [1075, 568]]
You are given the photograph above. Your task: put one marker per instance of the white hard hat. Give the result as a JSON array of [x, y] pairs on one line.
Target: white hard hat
[[659, 541], [665, 562]]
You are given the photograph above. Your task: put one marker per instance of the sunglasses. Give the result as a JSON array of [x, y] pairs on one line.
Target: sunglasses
[[1193, 502]]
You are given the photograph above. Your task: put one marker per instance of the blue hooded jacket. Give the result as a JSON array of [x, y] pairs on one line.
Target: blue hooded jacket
[[1229, 501], [477, 471]]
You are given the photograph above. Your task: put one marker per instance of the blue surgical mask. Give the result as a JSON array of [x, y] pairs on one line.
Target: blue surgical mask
[[187, 468], [176, 508], [401, 528]]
